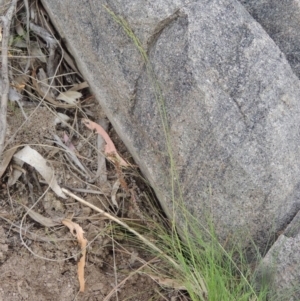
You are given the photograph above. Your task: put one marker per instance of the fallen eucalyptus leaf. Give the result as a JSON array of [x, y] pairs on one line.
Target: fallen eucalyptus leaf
[[20, 82], [45, 221], [77, 231], [109, 149], [33, 158]]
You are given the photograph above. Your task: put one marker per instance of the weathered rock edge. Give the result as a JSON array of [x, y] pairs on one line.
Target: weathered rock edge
[[281, 20], [231, 98], [279, 269]]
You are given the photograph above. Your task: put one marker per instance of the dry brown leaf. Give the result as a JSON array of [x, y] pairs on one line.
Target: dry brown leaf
[[77, 231], [45, 221], [20, 82], [110, 149]]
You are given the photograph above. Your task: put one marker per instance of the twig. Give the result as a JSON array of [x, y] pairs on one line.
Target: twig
[[27, 35], [101, 173], [115, 267], [85, 190], [6, 20]]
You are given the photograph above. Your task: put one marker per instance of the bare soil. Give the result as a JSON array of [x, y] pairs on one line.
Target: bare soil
[[49, 270]]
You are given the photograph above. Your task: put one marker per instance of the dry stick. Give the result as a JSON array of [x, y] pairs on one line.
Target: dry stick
[[27, 36], [115, 267], [111, 217], [6, 20]]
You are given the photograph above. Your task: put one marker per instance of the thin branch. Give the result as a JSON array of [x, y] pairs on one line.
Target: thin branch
[[6, 21]]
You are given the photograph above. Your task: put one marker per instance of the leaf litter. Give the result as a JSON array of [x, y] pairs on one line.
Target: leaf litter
[[50, 145]]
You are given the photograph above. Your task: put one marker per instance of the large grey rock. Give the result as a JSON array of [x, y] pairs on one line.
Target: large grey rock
[[231, 99], [280, 267], [281, 20]]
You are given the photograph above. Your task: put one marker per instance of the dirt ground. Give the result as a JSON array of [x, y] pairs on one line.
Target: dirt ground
[[46, 268], [38, 260], [49, 271]]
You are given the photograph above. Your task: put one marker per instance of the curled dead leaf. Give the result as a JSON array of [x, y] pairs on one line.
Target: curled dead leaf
[[45, 221], [110, 149], [20, 82], [77, 231], [33, 158]]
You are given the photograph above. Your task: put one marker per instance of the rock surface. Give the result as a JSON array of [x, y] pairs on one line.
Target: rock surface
[[281, 20], [280, 267], [230, 96]]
